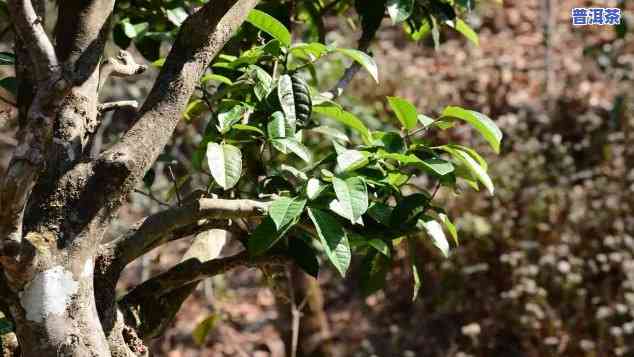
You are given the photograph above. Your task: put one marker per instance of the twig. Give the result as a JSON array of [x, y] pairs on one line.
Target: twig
[[123, 65], [172, 178], [8, 101], [151, 196], [295, 314], [109, 106]]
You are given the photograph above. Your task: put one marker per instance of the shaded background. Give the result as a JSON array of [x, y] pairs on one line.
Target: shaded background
[[546, 266]]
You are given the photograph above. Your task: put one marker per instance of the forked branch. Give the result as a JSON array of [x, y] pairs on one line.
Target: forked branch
[[159, 228], [201, 37]]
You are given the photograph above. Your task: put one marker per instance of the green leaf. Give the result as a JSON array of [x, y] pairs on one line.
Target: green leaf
[[435, 232], [332, 132], [309, 51], [263, 82], [380, 246], [285, 144], [128, 28], [287, 101], [350, 160], [425, 120], [390, 141], [304, 256], [314, 188], [471, 152], [363, 59], [405, 112], [225, 164], [270, 25], [135, 30], [194, 109], [159, 63], [345, 118], [400, 10], [450, 227], [352, 195], [465, 30], [7, 59], [215, 77], [276, 127], [10, 84], [285, 209], [203, 328], [409, 209], [474, 167], [435, 165], [334, 239], [396, 178], [374, 269], [265, 236], [293, 171], [227, 118], [250, 128], [176, 15], [380, 212], [421, 32], [480, 122]]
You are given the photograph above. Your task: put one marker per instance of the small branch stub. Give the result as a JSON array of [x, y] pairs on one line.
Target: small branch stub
[[123, 65]]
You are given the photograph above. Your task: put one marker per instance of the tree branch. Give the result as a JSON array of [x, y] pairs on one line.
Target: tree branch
[[29, 157], [178, 222], [167, 291], [364, 43], [110, 106], [31, 30], [123, 65], [81, 32], [200, 39]]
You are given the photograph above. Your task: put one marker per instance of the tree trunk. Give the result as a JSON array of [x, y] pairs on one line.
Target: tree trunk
[[56, 202], [55, 312]]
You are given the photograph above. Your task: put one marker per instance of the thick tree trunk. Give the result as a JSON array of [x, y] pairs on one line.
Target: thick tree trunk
[[55, 312], [56, 202]]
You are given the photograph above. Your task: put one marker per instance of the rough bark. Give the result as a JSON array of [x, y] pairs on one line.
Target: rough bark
[[56, 203]]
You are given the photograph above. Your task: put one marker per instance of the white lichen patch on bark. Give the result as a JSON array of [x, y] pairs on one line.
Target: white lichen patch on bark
[[49, 293], [87, 271]]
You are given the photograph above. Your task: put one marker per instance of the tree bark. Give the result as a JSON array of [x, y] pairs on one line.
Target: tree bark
[[56, 202]]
